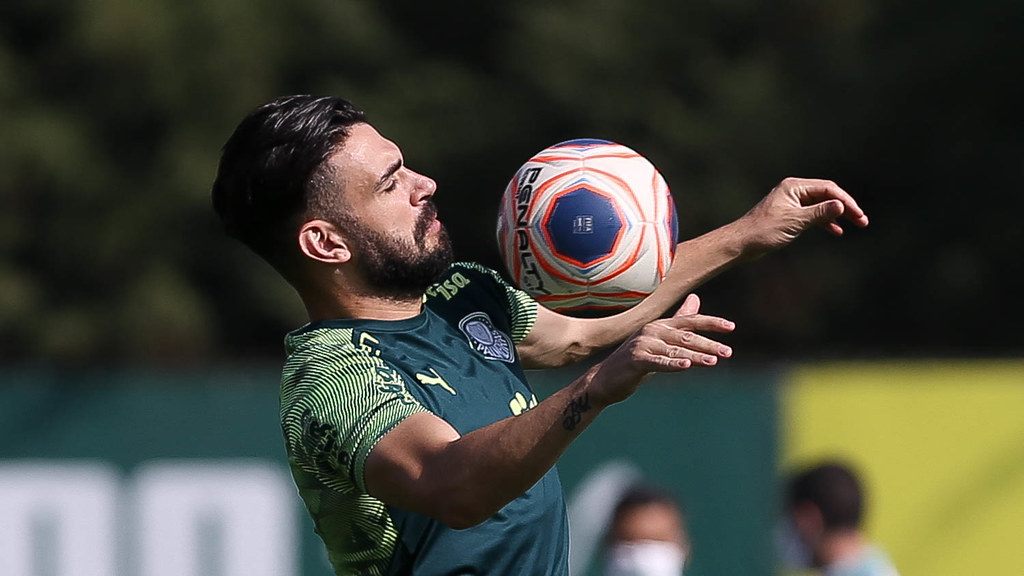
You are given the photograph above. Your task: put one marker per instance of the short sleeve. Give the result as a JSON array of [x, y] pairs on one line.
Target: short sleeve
[[521, 307], [338, 408]]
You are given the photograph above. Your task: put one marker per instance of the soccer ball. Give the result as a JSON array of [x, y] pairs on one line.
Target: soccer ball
[[587, 226]]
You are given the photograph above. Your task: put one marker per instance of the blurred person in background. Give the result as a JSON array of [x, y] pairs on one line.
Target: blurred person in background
[[822, 529], [647, 535], [413, 436]]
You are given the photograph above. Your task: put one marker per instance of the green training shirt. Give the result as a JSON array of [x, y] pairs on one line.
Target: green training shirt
[[347, 383]]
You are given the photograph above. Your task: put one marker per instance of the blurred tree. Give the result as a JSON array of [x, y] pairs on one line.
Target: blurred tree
[[115, 111]]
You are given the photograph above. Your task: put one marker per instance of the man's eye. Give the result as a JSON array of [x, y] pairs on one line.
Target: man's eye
[[391, 185]]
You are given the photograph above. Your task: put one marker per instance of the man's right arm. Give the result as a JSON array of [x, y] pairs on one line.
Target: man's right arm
[[424, 465]]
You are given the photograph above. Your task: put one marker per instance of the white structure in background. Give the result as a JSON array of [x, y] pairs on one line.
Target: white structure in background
[[171, 517], [590, 509], [58, 519]]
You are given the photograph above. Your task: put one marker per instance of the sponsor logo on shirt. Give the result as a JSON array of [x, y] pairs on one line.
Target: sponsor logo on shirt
[[519, 404], [435, 379]]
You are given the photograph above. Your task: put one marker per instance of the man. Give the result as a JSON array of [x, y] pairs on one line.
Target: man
[[412, 434], [825, 506], [647, 535]]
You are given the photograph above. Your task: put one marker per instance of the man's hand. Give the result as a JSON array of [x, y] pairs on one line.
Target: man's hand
[[793, 206], [669, 345]]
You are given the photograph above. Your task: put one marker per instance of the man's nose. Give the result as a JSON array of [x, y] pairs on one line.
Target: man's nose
[[425, 188]]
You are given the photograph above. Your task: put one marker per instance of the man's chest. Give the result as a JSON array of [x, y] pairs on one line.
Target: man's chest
[[467, 374]]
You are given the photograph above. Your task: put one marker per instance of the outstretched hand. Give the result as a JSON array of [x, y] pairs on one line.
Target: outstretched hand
[[795, 205], [668, 345]]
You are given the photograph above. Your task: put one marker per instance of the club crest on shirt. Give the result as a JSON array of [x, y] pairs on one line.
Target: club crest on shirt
[[486, 339]]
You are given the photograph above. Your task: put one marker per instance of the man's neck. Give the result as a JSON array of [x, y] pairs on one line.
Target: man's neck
[[361, 307]]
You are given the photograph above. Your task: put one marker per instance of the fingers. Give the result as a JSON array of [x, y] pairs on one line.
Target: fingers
[[662, 363], [691, 305], [673, 344], [664, 348], [668, 358], [817, 191], [825, 215], [700, 345], [700, 322], [695, 357]]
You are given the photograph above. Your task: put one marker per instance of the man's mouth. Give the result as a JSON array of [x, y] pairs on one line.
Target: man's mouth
[[428, 221]]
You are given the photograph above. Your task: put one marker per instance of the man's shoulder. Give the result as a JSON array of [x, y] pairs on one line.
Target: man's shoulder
[[327, 356], [331, 375], [321, 345], [470, 288], [468, 280], [462, 275], [473, 267]]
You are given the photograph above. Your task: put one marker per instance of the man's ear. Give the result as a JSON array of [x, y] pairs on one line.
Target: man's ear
[[322, 241]]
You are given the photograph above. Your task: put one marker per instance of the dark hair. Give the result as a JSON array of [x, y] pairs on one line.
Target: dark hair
[[642, 495], [272, 167], [834, 489]]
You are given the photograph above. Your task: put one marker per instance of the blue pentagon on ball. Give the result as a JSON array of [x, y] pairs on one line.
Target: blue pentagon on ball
[[583, 226]]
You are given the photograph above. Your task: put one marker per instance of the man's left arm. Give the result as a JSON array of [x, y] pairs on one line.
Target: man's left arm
[[792, 207]]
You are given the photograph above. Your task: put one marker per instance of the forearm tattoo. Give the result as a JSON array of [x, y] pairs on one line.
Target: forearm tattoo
[[573, 412]]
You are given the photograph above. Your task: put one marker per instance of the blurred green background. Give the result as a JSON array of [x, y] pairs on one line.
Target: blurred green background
[[114, 112], [182, 473], [135, 336]]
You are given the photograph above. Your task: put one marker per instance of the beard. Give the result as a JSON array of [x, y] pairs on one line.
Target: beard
[[396, 268]]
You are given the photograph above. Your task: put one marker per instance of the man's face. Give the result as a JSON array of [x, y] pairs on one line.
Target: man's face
[[389, 218], [647, 539], [655, 521], [809, 527]]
